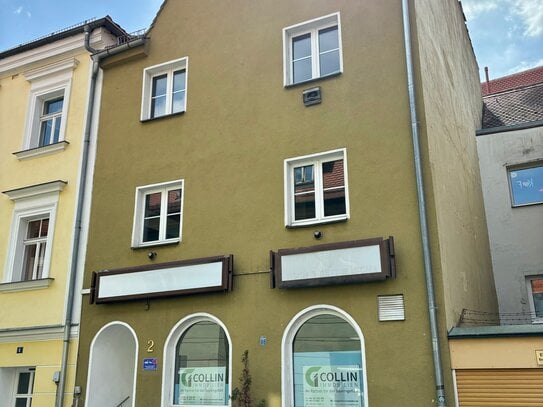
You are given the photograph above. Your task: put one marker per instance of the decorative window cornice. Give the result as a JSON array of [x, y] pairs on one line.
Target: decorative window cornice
[[35, 190]]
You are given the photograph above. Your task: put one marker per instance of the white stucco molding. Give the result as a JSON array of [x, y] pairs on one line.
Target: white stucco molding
[[55, 68], [35, 190]]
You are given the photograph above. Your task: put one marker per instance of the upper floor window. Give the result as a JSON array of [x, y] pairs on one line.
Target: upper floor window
[[316, 188], [535, 291], [164, 89], [158, 214], [48, 107], [30, 246], [526, 185], [50, 121], [312, 50]]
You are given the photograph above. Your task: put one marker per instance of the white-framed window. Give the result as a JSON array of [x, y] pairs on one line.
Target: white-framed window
[[164, 89], [24, 385], [323, 359], [535, 297], [32, 231], [158, 214], [197, 363], [316, 188], [48, 106], [312, 49], [526, 184]]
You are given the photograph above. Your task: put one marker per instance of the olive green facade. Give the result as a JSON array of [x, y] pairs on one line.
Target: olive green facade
[[229, 147]]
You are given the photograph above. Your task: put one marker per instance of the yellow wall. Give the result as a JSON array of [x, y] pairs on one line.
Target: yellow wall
[[44, 306], [495, 353]]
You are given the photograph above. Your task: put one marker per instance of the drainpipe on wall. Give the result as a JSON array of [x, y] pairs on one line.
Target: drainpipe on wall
[[96, 57], [428, 273]]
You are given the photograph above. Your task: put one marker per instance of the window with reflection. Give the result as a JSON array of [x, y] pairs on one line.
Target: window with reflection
[[201, 366], [327, 364], [317, 189], [158, 214]]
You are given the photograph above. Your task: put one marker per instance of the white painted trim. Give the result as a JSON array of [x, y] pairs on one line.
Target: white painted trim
[[169, 351], [25, 285], [455, 388], [287, 382], [100, 38], [310, 26], [91, 351], [315, 159], [33, 206], [41, 151], [147, 83], [33, 191], [52, 69], [139, 207]]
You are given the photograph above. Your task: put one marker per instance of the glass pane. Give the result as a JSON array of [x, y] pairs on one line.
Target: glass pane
[[23, 386], [159, 85], [329, 63], [56, 134], [179, 80], [44, 227], [301, 46], [151, 228], [527, 185], [333, 174], [304, 206], [45, 132], [328, 39], [53, 106], [201, 366], [174, 201], [29, 258], [178, 102], [172, 226], [303, 179], [33, 229], [40, 260], [301, 70], [334, 202], [158, 106], [537, 295], [21, 402], [152, 204], [327, 364]]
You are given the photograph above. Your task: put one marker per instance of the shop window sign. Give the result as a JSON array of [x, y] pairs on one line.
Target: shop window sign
[[526, 185]]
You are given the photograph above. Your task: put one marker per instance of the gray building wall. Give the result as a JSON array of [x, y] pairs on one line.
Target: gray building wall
[[516, 234]]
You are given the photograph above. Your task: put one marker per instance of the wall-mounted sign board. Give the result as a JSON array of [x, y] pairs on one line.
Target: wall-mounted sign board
[[349, 262], [163, 280]]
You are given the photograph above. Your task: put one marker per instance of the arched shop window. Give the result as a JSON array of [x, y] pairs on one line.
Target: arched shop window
[[197, 364], [323, 360]]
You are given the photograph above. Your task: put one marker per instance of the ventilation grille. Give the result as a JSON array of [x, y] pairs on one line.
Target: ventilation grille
[[391, 307]]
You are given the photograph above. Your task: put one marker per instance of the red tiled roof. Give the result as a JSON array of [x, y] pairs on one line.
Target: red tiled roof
[[514, 81]]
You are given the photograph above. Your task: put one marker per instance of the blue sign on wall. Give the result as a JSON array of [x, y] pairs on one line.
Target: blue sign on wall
[[150, 364]]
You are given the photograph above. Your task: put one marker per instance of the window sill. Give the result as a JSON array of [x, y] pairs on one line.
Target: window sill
[[155, 244], [293, 85], [26, 285], [317, 222], [40, 151], [152, 119]]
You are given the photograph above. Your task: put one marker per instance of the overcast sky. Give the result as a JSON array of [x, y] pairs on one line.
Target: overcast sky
[[507, 35]]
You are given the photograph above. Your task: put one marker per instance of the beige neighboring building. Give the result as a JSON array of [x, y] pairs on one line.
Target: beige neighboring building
[[44, 99]]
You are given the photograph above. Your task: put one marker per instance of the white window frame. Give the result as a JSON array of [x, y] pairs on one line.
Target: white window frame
[[168, 373], [139, 210], [309, 27], [521, 167], [535, 319], [167, 68], [37, 202], [287, 379], [315, 160], [28, 396], [50, 82]]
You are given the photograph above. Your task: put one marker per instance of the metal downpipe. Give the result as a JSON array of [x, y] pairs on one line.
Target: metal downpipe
[[77, 228], [428, 273]]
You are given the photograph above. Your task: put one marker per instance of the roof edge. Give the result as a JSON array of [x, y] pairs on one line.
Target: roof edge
[[514, 127]]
